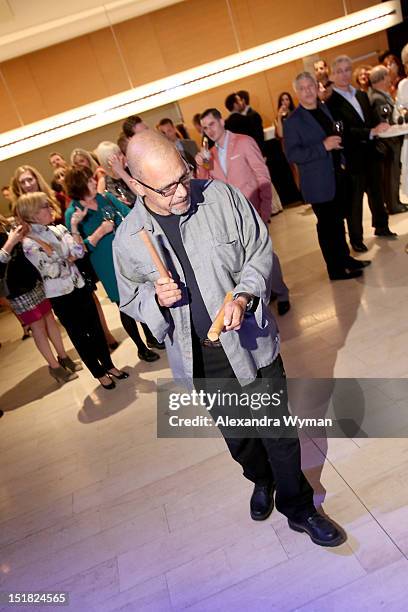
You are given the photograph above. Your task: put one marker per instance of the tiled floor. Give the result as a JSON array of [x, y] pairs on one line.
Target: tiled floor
[[92, 503]]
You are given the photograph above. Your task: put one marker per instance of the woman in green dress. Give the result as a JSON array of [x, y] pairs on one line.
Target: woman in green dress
[[94, 217]]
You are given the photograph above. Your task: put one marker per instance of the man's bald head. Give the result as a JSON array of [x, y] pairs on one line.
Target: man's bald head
[[160, 175], [150, 149]]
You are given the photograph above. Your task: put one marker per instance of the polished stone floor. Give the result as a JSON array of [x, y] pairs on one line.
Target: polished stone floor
[[93, 504]]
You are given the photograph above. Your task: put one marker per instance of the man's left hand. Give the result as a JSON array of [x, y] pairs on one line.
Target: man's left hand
[[234, 313]]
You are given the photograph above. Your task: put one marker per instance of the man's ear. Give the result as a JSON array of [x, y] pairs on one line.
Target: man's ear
[[136, 187]]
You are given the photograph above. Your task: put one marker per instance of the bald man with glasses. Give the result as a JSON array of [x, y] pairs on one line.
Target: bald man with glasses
[[212, 242]]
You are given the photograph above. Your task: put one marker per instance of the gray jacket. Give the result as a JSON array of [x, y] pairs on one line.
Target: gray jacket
[[229, 249]]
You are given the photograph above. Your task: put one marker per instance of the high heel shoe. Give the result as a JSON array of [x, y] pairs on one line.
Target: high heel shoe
[[109, 386], [120, 376], [69, 364], [61, 375]]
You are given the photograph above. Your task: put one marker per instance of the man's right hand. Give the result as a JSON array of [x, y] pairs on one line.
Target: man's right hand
[[332, 142], [167, 291]]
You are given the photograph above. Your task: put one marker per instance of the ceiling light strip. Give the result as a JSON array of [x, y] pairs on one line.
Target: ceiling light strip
[[200, 78]]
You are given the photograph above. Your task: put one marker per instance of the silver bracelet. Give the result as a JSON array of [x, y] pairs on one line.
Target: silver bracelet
[[4, 256]]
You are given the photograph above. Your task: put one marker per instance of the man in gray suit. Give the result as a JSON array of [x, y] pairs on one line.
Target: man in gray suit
[[383, 109]]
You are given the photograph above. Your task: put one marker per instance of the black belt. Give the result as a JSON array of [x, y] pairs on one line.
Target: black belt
[[210, 344]]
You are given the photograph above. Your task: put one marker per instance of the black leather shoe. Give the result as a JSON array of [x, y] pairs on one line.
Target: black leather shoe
[[154, 344], [357, 264], [359, 247], [399, 209], [345, 275], [322, 531], [148, 355], [384, 232], [261, 504], [283, 307], [120, 376]]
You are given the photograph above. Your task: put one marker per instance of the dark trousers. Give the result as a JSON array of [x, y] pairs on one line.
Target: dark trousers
[[332, 234], [78, 314], [367, 181], [391, 175], [130, 326], [265, 460]]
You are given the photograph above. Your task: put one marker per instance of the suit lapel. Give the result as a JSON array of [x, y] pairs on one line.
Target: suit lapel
[[348, 107], [362, 99]]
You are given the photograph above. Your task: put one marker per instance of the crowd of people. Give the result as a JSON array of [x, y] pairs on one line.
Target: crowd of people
[[57, 243], [206, 210]]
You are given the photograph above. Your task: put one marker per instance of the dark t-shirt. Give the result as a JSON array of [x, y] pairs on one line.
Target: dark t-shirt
[[200, 319]]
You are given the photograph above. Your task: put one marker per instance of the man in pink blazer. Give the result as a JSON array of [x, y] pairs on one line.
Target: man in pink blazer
[[236, 159]]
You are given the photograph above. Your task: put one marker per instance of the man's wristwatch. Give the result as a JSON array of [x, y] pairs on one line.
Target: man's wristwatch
[[250, 300]]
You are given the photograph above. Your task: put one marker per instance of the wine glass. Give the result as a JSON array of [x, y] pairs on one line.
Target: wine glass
[[385, 113], [109, 215], [122, 196], [338, 128], [403, 113]]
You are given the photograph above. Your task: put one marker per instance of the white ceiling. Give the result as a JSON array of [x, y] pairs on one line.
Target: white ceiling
[[27, 25]]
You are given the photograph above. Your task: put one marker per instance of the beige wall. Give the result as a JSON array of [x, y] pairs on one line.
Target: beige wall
[[88, 140], [149, 47], [152, 46]]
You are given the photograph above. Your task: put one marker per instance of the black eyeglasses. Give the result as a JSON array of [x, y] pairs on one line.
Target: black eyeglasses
[[171, 189]]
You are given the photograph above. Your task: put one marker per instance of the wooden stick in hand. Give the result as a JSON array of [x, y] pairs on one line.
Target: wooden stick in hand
[[218, 324], [164, 273]]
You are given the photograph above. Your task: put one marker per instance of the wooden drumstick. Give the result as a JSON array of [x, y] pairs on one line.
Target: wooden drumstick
[[218, 324], [164, 273]]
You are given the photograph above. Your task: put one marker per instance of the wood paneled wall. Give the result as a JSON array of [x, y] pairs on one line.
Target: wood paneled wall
[[87, 68], [181, 36]]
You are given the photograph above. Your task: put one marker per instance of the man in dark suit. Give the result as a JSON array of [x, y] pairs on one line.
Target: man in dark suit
[[254, 118], [383, 108], [310, 143], [236, 122], [353, 108]]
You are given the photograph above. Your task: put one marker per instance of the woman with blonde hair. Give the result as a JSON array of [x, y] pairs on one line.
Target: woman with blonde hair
[[27, 179], [53, 251], [80, 158], [117, 180], [25, 293], [361, 78]]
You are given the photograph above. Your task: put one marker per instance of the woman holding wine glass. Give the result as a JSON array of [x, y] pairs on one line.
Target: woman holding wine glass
[[286, 106], [94, 218], [53, 252]]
